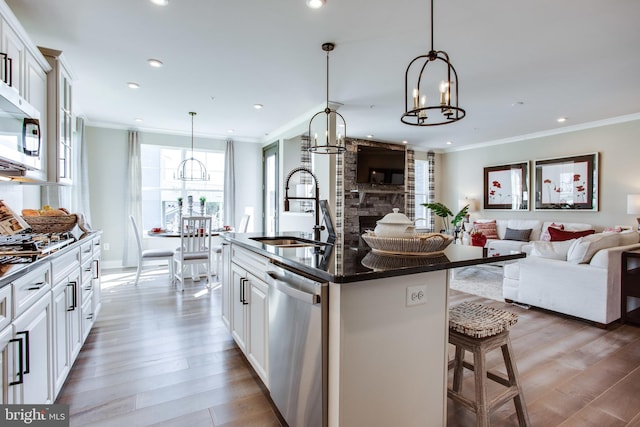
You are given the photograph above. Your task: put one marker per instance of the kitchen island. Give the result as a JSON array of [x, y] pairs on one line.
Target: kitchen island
[[383, 335]]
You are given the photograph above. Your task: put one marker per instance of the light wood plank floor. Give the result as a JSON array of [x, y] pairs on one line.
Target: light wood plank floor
[[158, 357]]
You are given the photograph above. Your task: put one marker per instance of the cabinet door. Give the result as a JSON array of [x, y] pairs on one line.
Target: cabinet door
[[97, 273], [238, 302], [15, 50], [34, 327], [75, 316], [259, 327], [61, 302], [5, 344], [225, 280]]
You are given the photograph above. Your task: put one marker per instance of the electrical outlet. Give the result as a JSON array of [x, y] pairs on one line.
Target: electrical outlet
[[106, 246], [416, 295]]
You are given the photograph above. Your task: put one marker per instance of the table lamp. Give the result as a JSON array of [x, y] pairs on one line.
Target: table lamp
[[633, 206]]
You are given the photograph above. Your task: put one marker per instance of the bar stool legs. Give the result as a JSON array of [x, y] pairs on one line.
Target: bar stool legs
[[480, 329]]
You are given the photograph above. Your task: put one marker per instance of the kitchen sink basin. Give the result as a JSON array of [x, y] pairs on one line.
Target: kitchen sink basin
[[287, 242]]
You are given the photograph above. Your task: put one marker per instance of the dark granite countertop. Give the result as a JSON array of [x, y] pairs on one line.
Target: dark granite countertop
[[353, 264], [9, 272]]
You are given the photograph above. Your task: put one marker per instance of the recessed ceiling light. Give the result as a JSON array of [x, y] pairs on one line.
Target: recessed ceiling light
[[155, 63], [316, 4], [405, 142], [229, 130], [517, 104], [369, 136], [561, 119], [258, 106], [160, 2], [133, 85], [449, 142], [138, 119]]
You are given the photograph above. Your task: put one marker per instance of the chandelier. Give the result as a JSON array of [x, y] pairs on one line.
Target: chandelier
[[192, 169], [333, 140], [422, 106]]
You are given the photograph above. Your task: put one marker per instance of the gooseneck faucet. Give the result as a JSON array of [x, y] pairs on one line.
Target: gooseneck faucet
[[316, 199]]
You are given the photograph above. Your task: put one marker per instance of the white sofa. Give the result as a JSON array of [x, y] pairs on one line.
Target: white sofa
[[580, 277], [501, 246]]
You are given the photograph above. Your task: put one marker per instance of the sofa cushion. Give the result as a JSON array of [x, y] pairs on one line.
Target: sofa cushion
[[519, 235], [522, 224], [545, 236], [488, 228], [584, 248], [629, 237], [552, 250], [560, 235]]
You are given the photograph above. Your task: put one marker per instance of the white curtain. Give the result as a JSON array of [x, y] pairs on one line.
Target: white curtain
[[134, 201], [229, 186], [80, 197]]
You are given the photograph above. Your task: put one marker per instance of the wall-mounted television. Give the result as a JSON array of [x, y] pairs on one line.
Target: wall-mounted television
[[380, 165]]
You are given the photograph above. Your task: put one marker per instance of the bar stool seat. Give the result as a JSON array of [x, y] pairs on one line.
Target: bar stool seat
[[479, 329]]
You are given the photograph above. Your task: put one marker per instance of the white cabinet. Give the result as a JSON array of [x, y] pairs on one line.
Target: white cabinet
[[66, 311], [249, 313], [96, 274], [6, 335], [59, 118], [225, 280], [30, 358], [14, 48]]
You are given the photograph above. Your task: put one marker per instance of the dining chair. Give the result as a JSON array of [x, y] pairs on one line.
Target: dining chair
[[244, 223], [195, 247], [150, 254]]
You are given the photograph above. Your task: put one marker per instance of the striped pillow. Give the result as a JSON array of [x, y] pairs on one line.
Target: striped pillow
[[488, 228]]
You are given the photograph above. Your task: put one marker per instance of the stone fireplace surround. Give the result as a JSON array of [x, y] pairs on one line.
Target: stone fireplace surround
[[364, 204]]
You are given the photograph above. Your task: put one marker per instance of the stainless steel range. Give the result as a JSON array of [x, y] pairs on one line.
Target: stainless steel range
[[28, 247]]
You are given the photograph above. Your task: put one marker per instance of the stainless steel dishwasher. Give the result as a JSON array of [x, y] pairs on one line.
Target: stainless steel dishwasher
[[298, 323]]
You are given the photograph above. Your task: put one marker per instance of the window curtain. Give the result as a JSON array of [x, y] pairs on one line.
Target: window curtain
[[431, 187], [229, 186], [80, 197], [134, 201]]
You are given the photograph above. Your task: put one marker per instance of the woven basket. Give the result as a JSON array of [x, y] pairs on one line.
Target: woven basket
[[51, 224], [417, 244]]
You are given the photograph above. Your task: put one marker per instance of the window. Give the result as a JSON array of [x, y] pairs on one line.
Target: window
[[422, 193], [161, 190]]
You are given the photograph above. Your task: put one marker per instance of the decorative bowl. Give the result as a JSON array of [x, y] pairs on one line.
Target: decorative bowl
[[421, 244]]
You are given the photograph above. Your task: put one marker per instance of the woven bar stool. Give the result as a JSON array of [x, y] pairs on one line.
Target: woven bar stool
[[480, 329]]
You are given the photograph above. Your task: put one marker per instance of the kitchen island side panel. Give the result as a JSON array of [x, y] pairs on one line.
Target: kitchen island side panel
[[387, 360]]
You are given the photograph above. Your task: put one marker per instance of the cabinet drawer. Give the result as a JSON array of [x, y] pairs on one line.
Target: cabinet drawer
[[6, 308], [65, 264], [87, 271], [86, 251], [29, 288], [250, 261], [87, 318]]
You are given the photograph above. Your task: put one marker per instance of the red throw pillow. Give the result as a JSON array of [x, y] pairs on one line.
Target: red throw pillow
[[558, 235], [545, 236], [487, 228]]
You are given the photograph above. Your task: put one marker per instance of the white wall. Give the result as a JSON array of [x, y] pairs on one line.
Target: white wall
[[107, 149], [617, 144]]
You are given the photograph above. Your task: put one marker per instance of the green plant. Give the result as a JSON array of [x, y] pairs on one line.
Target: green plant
[[203, 199], [444, 212]]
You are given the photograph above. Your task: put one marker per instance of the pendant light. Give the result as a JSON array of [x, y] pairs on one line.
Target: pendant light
[[192, 169], [432, 99], [333, 139]]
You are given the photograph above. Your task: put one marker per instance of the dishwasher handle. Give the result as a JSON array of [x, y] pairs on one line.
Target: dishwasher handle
[[280, 283]]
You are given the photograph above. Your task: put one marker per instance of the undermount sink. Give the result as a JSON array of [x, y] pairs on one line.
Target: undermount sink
[[287, 242]]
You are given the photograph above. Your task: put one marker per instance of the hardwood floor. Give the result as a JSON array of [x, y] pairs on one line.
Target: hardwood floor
[[158, 357]]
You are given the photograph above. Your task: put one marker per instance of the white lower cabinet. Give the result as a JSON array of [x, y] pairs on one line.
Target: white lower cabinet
[[249, 308], [225, 289], [5, 347], [67, 327], [30, 355]]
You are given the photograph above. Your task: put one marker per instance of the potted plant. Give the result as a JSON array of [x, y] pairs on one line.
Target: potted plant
[[444, 212], [202, 200]]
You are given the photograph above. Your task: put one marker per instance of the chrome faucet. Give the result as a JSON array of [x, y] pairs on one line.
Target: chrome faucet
[[316, 199]]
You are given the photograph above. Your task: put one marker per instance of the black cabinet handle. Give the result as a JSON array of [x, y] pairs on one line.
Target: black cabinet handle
[[74, 296], [96, 271], [26, 347], [37, 286], [244, 293], [242, 280], [10, 72], [20, 375]]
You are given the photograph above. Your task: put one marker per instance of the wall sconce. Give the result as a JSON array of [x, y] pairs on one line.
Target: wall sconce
[[633, 206]]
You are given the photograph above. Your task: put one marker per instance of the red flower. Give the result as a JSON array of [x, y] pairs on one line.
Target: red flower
[[492, 192], [576, 177], [497, 184], [557, 189], [580, 188], [547, 181]]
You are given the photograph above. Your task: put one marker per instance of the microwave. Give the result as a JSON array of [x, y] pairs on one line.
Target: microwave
[[20, 135]]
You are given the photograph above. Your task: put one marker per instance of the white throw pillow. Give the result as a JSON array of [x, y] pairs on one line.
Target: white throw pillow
[[552, 250], [584, 248], [628, 237]]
